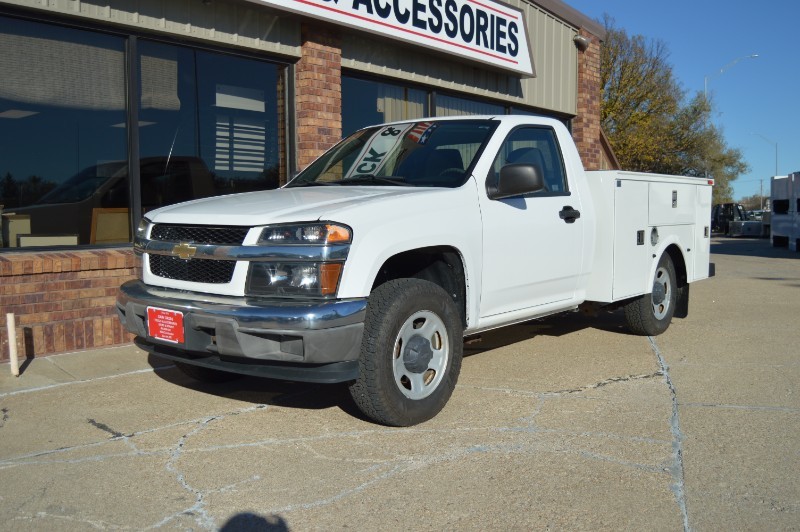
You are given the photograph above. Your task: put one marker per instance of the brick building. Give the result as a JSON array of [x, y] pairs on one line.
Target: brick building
[[111, 109]]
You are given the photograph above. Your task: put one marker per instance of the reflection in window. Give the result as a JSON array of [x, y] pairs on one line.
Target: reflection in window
[[366, 103], [63, 136], [240, 144], [208, 124]]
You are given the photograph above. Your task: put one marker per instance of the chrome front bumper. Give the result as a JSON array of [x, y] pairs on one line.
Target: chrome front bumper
[[307, 340]]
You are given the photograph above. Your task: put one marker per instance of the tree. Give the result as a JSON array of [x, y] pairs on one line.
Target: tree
[[650, 124], [755, 202], [9, 191], [724, 164], [34, 188]]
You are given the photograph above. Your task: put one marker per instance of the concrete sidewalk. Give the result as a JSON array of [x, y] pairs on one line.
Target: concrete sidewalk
[[81, 366], [563, 423]]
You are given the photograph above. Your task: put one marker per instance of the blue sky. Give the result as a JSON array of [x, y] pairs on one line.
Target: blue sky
[[756, 102]]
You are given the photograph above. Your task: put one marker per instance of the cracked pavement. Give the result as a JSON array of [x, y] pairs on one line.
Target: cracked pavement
[[562, 423]]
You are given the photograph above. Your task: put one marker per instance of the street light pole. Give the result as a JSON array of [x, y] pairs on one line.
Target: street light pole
[[774, 143], [721, 71]]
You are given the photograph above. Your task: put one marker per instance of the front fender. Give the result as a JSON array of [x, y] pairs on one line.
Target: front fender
[[441, 217]]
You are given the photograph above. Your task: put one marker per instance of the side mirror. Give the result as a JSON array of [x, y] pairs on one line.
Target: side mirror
[[517, 180]]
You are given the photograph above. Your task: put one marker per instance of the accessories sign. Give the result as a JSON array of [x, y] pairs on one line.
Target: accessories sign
[[481, 30]]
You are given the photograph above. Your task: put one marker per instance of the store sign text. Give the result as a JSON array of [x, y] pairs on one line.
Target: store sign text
[[483, 30]]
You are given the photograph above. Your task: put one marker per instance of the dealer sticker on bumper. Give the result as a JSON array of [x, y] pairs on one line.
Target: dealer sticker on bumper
[[166, 325]]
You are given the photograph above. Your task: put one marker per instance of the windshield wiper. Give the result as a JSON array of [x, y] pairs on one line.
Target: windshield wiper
[[372, 179]]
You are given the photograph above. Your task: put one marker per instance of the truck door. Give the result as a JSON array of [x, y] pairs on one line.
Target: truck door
[[531, 244]]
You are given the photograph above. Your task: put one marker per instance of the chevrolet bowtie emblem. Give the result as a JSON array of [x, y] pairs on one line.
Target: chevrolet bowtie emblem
[[184, 250]]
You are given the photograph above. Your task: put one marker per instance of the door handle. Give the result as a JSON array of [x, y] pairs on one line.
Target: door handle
[[569, 215]]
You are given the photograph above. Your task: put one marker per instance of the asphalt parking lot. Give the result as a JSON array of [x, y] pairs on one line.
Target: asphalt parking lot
[[563, 423]]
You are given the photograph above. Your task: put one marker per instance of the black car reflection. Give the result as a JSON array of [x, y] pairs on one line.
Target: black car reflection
[[93, 204]]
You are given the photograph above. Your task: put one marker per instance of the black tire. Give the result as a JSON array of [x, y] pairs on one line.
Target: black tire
[[410, 354], [651, 314], [203, 374]]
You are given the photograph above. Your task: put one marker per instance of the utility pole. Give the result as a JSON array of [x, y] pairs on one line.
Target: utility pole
[[774, 143]]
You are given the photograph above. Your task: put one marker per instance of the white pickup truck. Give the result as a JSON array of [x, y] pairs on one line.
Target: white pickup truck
[[373, 263]]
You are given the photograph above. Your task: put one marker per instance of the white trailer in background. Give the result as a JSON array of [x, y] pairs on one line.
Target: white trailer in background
[[785, 230]]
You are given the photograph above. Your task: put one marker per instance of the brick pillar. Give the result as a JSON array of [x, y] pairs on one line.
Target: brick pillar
[[586, 126], [319, 93]]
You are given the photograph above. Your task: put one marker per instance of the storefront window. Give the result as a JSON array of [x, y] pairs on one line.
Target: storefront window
[[208, 124], [453, 106], [63, 136], [365, 103]]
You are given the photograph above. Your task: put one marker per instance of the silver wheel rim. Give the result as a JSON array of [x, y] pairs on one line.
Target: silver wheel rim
[[662, 285], [422, 331]]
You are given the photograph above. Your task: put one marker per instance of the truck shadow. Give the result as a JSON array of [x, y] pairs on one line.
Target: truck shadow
[[556, 325], [263, 391], [750, 247], [312, 396]]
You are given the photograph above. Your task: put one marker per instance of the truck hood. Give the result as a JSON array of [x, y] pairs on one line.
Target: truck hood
[[278, 206]]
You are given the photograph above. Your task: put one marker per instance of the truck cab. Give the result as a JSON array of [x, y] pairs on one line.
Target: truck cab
[[724, 213]]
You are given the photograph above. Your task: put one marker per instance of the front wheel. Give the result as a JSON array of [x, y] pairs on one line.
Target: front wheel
[[410, 355], [651, 314]]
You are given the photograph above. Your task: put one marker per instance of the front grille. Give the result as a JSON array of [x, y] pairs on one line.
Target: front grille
[[194, 270], [200, 234]]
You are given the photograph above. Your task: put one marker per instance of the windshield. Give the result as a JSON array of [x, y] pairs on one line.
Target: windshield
[[434, 153]]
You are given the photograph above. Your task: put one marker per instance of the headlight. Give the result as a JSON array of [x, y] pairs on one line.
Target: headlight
[[293, 278], [320, 233]]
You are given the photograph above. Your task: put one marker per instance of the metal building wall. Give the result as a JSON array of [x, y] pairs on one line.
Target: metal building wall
[[250, 25], [223, 22], [554, 54]]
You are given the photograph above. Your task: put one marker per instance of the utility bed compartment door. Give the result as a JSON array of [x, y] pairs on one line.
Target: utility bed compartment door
[[702, 235], [672, 204], [629, 205], [631, 239]]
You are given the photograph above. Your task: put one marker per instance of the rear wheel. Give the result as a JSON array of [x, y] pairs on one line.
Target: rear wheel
[[651, 314], [202, 374], [411, 353]]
